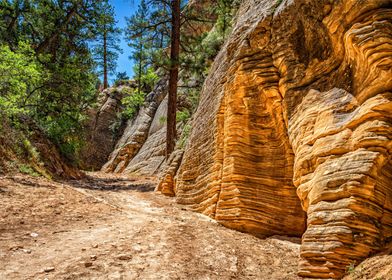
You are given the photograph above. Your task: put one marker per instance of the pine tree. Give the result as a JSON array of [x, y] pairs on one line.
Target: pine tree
[[107, 47], [225, 10], [156, 26], [173, 76], [140, 40], [122, 76]]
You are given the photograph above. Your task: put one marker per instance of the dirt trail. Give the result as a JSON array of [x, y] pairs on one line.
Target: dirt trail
[[109, 227]]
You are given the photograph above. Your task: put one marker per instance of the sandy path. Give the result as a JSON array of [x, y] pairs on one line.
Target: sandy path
[[108, 227]]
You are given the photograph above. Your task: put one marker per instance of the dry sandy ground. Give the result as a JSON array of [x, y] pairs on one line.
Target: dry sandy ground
[[109, 227], [118, 228]]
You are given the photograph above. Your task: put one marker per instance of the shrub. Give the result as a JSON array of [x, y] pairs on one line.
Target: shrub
[[21, 76], [162, 120], [184, 136], [183, 116], [28, 170], [132, 101]]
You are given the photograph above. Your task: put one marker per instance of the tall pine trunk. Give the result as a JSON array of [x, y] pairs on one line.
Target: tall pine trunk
[[173, 78], [140, 68], [105, 62]]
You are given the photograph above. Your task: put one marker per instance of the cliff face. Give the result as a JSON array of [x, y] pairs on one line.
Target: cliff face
[[100, 136], [293, 131], [141, 149]]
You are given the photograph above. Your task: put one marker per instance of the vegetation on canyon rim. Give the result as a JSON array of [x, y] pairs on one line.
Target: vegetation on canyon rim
[[52, 55]]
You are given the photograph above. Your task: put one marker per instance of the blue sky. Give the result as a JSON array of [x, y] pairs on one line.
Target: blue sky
[[124, 8]]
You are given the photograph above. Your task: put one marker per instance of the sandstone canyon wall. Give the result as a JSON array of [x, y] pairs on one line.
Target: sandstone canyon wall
[[293, 131], [101, 133], [141, 148]]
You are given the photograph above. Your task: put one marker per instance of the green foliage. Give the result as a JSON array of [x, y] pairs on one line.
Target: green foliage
[[353, 271], [21, 76], [47, 66], [162, 120], [64, 130], [122, 76], [107, 46], [184, 135], [202, 49], [32, 151], [28, 170], [132, 101], [148, 79], [207, 46], [183, 116], [141, 38], [35, 167], [225, 9], [148, 33]]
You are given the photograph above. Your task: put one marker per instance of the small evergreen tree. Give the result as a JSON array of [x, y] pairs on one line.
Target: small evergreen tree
[[140, 40], [107, 47], [121, 76]]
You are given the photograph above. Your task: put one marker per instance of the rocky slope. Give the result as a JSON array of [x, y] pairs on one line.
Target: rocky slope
[[29, 151], [101, 131], [293, 131], [141, 148]]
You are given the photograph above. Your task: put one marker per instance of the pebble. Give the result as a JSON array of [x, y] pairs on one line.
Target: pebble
[[49, 269], [15, 248], [124, 257], [34, 234], [93, 257], [88, 264], [95, 246]]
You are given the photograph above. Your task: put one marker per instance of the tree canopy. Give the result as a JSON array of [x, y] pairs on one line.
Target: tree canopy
[[47, 63]]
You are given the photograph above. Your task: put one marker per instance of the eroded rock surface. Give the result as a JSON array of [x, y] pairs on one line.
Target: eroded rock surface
[[169, 171], [296, 111], [238, 166], [101, 128], [143, 138]]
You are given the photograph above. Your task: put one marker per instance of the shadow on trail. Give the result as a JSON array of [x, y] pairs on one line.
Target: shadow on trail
[[112, 184], [29, 181]]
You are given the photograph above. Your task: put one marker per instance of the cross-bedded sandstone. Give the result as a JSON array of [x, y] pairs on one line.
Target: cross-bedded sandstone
[[299, 98]]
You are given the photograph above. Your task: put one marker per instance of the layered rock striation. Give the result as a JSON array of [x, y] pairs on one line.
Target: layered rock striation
[[141, 148], [104, 127], [293, 132]]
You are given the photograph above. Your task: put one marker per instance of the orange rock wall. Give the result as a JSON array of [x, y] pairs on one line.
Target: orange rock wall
[[239, 167], [296, 112]]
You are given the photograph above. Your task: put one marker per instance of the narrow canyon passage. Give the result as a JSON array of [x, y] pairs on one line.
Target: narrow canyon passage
[[111, 227]]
